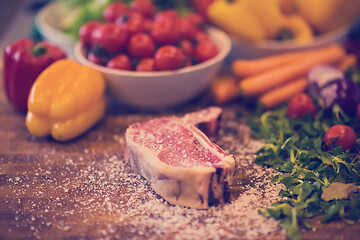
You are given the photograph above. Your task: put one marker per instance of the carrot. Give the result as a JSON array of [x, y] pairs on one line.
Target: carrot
[[225, 89], [283, 93], [263, 82], [250, 67], [348, 61]]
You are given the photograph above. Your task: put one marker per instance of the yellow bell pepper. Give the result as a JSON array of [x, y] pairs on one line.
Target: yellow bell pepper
[[300, 30], [328, 15], [65, 100], [259, 20], [269, 15], [235, 18]]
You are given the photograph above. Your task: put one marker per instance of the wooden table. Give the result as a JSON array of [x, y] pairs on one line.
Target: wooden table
[[83, 190]]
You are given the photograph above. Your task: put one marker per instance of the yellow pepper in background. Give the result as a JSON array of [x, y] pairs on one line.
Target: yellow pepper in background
[[328, 15], [259, 20], [299, 28], [235, 18], [269, 15], [66, 100]]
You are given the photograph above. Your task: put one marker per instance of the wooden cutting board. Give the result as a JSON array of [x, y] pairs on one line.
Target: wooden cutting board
[[83, 190]]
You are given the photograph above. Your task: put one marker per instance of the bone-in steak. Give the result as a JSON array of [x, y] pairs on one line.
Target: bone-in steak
[[180, 162]]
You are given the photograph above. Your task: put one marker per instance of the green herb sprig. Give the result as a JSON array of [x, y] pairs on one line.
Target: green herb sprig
[[294, 148]]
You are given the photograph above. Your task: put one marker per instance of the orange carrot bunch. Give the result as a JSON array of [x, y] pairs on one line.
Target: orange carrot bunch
[[275, 79]]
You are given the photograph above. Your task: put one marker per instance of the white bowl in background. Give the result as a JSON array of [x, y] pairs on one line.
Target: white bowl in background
[[46, 21], [241, 49], [161, 88]]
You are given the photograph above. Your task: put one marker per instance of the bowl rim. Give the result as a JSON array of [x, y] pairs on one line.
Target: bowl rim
[[48, 29], [223, 53], [290, 45]]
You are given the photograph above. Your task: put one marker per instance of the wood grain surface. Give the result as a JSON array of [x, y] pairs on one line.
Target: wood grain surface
[[82, 190]]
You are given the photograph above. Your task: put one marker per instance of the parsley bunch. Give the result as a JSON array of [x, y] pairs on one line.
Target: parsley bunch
[[295, 149]]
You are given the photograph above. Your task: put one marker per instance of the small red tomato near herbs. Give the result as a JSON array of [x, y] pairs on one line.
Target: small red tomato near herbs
[[121, 62], [169, 58], [111, 37], [340, 135], [299, 105]]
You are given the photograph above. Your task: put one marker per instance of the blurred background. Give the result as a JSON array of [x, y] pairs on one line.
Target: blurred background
[[19, 13], [8, 9]]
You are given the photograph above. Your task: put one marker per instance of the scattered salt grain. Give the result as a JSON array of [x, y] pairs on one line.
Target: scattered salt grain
[[107, 199]]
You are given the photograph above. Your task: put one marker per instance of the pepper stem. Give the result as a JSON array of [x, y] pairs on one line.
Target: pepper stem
[[38, 50]]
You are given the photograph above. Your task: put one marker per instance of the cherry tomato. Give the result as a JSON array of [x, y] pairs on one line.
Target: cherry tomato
[[164, 32], [132, 21], [201, 6], [201, 36], [205, 50], [120, 61], [145, 7], [86, 30], [340, 135], [111, 37], [113, 10], [196, 19], [358, 111], [141, 45], [170, 14], [188, 62], [169, 57], [148, 24], [186, 28], [187, 47], [146, 65], [299, 105]]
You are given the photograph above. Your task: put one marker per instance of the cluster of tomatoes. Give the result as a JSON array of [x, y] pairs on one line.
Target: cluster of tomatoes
[[336, 135], [136, 37]]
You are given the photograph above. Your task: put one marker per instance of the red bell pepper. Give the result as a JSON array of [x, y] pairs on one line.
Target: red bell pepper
[[24, 60]]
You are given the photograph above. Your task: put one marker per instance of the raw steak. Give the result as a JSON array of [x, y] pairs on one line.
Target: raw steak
[[207, 120], [179, 161]]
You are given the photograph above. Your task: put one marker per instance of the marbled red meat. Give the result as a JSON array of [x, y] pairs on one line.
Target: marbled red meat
[[179, 161]]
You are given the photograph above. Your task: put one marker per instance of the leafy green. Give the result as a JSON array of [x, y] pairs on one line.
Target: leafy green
[[74, 13], [294, 148], [77, 12]]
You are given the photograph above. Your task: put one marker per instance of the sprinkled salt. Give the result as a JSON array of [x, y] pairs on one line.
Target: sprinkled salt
[[106, 199]]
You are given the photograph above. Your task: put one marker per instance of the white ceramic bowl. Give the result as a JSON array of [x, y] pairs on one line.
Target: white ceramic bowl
[[162, 88], [246, 50], [46, 21]]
